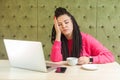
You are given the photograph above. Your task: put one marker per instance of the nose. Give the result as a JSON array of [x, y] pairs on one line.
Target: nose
[[63, 25]]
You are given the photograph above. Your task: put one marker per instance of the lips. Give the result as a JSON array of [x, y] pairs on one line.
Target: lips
[[65, 30]]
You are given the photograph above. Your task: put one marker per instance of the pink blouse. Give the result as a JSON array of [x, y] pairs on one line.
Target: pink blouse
[[91, 47]]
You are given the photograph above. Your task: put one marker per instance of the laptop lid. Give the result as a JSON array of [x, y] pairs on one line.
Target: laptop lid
[[25, 54]]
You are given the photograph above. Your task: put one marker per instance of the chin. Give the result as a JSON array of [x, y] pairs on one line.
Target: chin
[[66, 34]]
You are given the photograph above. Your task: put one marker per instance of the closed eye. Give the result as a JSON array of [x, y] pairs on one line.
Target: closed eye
[[66, 22], [59, 24]]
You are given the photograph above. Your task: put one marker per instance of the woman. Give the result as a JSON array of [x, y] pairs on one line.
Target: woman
[[69, 41]]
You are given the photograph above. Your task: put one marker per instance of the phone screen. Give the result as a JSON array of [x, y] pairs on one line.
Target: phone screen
[[60, 69]]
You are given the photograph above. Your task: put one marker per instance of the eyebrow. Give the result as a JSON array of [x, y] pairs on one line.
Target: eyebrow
[[65, 20]]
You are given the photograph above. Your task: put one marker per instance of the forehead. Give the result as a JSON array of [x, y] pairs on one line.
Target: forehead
[[63, 18]]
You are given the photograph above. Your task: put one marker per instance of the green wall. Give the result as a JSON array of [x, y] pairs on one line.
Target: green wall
[[33, 20]]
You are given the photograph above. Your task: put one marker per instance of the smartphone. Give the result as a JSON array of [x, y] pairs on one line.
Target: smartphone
[[60, 69]]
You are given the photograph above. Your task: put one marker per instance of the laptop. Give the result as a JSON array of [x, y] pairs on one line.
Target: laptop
[[27, 55]]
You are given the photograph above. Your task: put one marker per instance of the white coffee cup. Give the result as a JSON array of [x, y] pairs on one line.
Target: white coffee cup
[[72, 61]]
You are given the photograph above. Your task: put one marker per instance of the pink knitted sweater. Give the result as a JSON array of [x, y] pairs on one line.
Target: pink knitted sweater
[[91, 47]]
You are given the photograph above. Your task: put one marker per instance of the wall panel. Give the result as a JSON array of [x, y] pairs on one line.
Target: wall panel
[[18, 20], [108, 26]]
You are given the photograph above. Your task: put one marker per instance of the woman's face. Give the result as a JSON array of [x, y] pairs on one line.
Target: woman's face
[[66, 25]]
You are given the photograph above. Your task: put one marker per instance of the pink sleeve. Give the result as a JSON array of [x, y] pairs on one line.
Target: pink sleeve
[[99, 53], [56, 55]]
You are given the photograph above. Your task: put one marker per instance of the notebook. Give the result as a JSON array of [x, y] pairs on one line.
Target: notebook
[[27, 55]]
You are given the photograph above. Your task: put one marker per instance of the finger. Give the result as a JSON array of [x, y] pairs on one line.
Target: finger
[[55, 21], [80, 61]]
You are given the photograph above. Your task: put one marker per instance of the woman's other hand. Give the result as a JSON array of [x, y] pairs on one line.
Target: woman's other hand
[[83, 60]]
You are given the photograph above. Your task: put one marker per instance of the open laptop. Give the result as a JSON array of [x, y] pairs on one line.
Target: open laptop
[[27, 55]]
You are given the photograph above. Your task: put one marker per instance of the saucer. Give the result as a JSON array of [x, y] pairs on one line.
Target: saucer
[[90, 66]]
